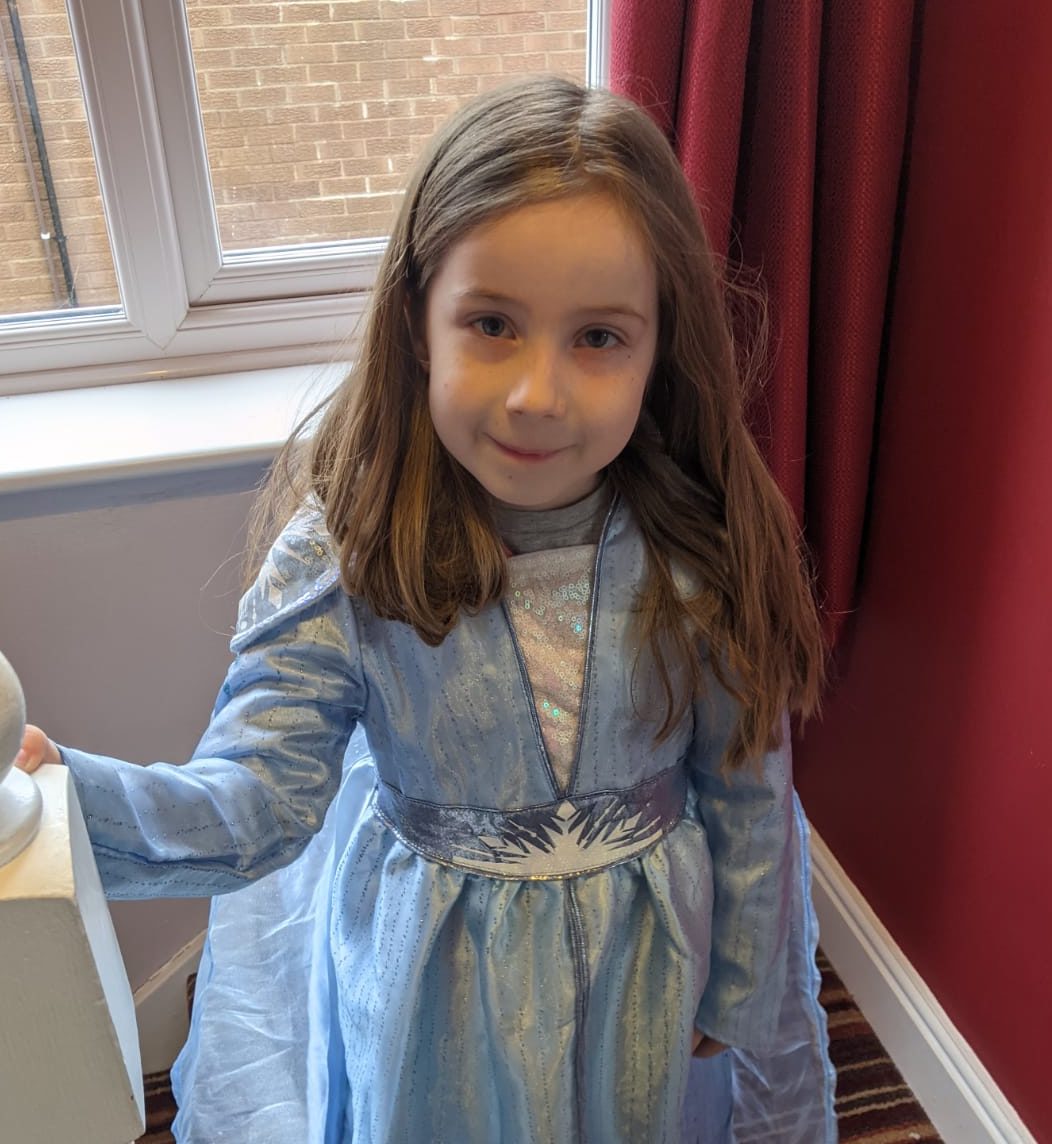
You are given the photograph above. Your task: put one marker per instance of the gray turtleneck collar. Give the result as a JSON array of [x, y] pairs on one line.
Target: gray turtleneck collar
[[530, 530]]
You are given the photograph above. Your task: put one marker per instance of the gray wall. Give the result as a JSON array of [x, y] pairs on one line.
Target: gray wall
[[116, 605]]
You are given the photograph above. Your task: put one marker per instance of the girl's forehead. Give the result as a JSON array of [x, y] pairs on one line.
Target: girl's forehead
[[581, 241], [556, 217]]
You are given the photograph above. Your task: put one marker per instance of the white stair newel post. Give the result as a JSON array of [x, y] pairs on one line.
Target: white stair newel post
[[69, 1051]]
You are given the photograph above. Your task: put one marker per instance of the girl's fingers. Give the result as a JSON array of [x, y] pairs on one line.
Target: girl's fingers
[[25, 761], [707, 1047], [37, 748]]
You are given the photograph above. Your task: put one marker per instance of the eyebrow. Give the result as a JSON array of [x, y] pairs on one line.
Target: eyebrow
[[496, 296]]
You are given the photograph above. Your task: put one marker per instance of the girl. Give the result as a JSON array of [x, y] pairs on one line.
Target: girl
[[537, 560]]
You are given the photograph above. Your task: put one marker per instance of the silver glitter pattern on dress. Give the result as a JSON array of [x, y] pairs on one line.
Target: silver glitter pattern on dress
[[287, 580], [549, 598], [578, 835]]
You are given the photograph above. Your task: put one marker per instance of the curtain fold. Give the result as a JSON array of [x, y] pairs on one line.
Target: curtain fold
[[790, 118]]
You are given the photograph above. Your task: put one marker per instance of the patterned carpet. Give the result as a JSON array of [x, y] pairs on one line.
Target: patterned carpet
[[873, 1104]]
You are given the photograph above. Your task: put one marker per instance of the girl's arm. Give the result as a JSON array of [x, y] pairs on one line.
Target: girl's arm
[[260, 780], [269, 763], [748, 819]]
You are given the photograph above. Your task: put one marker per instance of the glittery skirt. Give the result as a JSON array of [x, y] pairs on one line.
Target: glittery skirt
[[367, 994]]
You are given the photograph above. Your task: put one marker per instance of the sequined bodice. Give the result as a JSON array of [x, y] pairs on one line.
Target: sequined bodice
[[549, 600]]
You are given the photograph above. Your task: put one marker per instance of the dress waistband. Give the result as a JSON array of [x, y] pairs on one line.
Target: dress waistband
[[579, 834]]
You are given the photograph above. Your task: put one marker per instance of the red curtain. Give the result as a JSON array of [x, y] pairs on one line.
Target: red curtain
[[790, 118]]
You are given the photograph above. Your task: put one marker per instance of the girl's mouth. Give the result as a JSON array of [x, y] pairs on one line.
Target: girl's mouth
[[524, 454]]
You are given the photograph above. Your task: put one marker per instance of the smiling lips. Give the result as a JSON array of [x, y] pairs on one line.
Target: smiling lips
[[524, 454]]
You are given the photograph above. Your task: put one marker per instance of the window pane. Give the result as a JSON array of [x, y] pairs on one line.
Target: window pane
[[314, 111], [56, 252]]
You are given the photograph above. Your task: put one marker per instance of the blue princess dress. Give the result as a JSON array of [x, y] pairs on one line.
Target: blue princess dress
[[476, 903]]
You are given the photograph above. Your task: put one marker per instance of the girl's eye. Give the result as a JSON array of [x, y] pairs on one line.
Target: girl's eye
[[491, 326], [600, 339]]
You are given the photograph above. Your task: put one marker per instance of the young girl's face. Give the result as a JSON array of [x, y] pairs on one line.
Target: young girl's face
[[541, 332]]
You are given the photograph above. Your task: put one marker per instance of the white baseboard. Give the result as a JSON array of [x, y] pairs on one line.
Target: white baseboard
[[160, 1008], [958, 1094]]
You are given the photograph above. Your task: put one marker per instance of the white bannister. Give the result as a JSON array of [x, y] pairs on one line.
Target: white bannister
[[69, 1050]]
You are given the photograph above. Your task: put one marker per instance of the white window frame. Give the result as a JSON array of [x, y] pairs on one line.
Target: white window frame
[[187, 309]]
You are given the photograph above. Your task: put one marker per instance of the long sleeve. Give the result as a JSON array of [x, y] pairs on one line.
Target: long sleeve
[[747, 815], [267, 766]]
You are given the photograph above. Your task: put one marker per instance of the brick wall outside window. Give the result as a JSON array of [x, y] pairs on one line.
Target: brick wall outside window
[[313, 113], [25, 283]]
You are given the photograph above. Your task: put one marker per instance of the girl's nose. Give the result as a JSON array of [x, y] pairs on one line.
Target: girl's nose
[[537, 388]]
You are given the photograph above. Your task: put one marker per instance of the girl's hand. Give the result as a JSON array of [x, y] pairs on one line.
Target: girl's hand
[[706, 1046], [37, 748]]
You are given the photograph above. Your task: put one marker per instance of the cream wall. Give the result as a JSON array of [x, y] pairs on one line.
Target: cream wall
[[116, 602]]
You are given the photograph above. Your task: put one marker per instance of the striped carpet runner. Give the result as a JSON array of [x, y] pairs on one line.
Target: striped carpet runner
[[873, 1103]]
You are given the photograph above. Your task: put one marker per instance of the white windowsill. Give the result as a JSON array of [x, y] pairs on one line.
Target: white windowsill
[[73, 438]]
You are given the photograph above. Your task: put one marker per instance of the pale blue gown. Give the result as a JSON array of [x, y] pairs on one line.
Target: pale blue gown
[[481, 928]]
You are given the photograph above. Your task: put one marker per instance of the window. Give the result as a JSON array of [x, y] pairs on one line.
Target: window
[[247, 160], [52, 207]]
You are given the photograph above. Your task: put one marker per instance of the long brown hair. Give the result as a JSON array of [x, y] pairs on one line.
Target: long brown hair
[[414, 529]]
